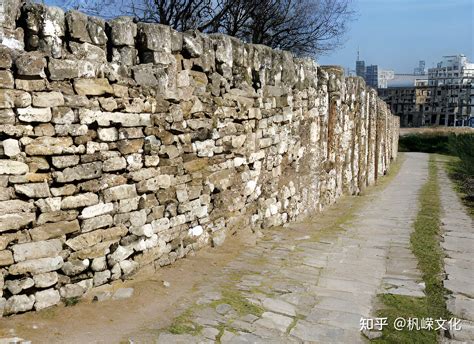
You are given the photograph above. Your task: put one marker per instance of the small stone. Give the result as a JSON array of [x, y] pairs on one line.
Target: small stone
[[128, 267], [166, 284], [218, 238], [99, 264], [102, 296]]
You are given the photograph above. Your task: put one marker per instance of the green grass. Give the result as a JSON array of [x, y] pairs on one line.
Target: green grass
[[405, 307], [425, 245], [184, 325], [425, 242], [72, 301], [239, 303]]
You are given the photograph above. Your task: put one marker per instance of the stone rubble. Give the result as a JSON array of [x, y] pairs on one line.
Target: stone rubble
[[126, 144]]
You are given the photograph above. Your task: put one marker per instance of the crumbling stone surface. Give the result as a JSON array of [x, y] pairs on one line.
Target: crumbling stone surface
[[126, 144]]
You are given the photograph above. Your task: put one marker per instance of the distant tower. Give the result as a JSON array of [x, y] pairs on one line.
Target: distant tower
[[420, 70], [360, 66]]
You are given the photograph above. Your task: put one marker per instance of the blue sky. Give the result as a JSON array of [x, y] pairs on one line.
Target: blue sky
[[395, 34]]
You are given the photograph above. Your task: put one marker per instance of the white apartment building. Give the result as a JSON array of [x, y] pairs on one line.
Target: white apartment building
[[452, 70]]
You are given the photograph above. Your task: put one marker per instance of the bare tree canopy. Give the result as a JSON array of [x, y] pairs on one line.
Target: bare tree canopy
[[305, 27]]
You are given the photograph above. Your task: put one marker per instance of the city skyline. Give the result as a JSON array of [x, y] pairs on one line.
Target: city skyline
[[396, 34]]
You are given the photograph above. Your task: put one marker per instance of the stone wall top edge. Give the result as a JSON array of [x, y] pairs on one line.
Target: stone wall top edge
[[13, 9]]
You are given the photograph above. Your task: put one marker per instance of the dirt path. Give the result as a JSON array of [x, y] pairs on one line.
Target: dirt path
[[310, 282]]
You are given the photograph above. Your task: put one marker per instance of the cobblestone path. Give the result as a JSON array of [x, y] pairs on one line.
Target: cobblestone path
[[458, 244], [305, 284], [313, 281]]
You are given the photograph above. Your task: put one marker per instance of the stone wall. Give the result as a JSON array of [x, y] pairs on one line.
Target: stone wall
[[124, 144]]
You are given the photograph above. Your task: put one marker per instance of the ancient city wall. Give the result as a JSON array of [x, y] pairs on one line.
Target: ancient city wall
[[125, 144]]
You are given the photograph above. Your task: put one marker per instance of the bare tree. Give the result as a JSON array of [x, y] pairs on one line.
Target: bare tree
[[305, 27]]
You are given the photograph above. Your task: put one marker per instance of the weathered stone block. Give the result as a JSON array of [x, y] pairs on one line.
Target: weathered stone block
[[47, 99], [31, 64], [65, 161], [108, 134], [46, 298], [97, 210], [16, 286], [6, 258], [34, 250], [33, 190], [123, 31], [5, 57], [13, 167], [6, 79], [79, 201], [114, 164], [77, 26], [96, 222], [155, 37], [18, 304], [80, 172], [119, 192], [11, 147], [15, 221], [31, 114], [36, 266], [92, 87], [46, 279], [54, 230], [48, 146]]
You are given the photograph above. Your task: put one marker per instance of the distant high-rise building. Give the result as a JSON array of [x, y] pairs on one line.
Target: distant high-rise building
[[420, 70], [360, 66], [373, 75]]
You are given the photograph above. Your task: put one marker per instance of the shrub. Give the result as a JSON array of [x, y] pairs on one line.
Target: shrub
[[462, 145]]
